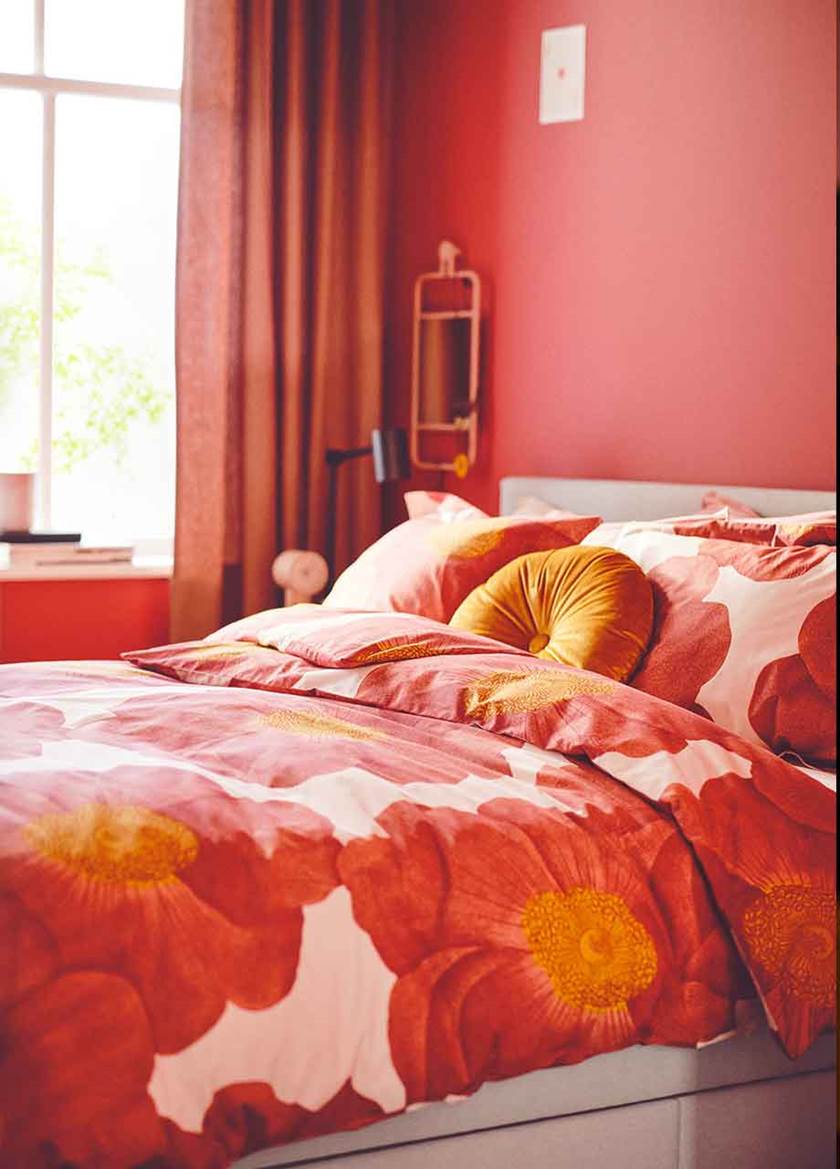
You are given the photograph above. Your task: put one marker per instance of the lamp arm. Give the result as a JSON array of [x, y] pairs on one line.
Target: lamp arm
[[390, 462], [336, 456]]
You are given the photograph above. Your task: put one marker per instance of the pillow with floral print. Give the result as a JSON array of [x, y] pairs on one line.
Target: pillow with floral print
[[744, 634], [700, 524], [715, 500], [818, 527], [430, 563], [776, 531]]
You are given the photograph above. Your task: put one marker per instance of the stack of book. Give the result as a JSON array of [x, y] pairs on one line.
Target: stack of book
[[31, 550]]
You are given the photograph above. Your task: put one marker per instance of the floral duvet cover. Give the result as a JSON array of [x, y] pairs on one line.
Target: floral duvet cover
[[327, 865]]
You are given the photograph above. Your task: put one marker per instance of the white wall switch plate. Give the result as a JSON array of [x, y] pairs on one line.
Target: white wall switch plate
[[562, 74]]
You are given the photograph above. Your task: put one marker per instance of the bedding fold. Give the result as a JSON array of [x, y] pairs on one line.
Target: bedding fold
[[761, 829]]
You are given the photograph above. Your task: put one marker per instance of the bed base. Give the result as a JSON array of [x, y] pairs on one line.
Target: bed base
[[737, 1105]]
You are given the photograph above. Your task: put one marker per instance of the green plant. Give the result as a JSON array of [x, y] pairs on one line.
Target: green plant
[[102, 389]]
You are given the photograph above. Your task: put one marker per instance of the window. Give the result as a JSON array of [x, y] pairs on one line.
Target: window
[[89, 137]]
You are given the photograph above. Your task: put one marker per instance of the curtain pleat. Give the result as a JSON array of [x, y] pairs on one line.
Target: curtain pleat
[[279, 346]]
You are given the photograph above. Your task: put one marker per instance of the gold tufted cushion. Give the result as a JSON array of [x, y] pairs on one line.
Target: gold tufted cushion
[[583, 606]]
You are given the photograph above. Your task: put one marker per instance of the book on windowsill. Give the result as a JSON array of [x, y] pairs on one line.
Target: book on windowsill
[[27, 538], [66, 555]]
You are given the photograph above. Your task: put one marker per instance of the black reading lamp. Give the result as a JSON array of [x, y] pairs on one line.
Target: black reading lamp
[[390, 463]]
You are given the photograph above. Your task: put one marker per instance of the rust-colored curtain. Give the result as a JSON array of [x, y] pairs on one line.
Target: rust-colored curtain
[[280, 279]]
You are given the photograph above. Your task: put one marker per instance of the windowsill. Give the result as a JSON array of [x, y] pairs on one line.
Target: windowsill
[[142, 567]]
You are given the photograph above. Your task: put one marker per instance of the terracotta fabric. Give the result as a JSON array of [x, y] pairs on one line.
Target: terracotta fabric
[[279, 289], [342, 638], [762, 834], [713, 500], [429, 565], [447, 547], [519, 865], [745, 634], [806, 529], [591, 608], [781, 531]]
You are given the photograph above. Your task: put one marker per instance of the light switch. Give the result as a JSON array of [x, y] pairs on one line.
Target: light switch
[[562, 74]]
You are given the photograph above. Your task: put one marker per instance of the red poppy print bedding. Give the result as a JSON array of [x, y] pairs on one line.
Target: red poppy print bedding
[[325, 865], [745, 634], [428, 564]]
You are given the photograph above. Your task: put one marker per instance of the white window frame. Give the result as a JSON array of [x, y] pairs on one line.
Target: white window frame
[[50, 88]]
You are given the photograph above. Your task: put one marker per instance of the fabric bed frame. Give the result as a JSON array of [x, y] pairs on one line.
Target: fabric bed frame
[[617, 499], [737, 1104]]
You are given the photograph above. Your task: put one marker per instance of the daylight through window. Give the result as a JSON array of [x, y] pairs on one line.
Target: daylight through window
[[89, 139]]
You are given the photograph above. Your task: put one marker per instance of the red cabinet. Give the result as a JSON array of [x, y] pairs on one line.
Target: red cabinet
[[57, 619]]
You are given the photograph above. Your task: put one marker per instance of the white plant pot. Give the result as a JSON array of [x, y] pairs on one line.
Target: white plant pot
[[17, 501]]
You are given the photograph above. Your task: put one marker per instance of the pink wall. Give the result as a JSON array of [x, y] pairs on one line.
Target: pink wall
[[661, 275]]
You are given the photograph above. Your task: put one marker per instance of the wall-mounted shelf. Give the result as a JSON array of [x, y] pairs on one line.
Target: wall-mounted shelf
[[445, 365]]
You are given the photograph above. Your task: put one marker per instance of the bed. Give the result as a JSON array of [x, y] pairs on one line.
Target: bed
[[718, 1089]]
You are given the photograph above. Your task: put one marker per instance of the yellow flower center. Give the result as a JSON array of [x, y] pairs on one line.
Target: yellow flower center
[[116, 845], [392, 650], [315, 725], [791, 931], [509, 692], [220, 650], [596, 953], [107, 670]]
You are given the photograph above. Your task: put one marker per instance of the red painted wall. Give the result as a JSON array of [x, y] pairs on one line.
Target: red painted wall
[[660, 275]]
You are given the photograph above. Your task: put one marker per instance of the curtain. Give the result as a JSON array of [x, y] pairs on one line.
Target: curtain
[[279, 290]]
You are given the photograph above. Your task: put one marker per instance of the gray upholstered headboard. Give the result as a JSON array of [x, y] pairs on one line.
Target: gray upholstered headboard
[[617, 499]]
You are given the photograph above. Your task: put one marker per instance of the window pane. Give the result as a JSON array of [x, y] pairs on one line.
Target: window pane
[[113, 395], [137, 42], [17, 36], [20, 278]]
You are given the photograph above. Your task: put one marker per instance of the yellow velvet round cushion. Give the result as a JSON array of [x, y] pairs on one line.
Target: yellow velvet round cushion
[[583, 606]]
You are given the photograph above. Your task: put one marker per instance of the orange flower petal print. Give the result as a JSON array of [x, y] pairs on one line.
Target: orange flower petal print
[[794, 702], [28, 957], [74, 1070], [77, 1055], [246, 1117], [773, 564], [789, 710], [776, 890], [180, 899], [556, 707], [818, 646], [681, 617], [279, 740], [26, 726], [523, 937], [522, 692]]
